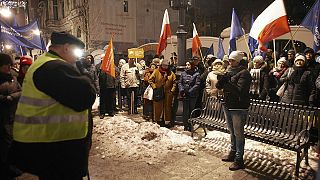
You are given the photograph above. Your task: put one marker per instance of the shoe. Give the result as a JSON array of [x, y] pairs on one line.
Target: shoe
[[230, 157], [236, 165], [136, 112], [101, 116], [187, 128], [111, 114]]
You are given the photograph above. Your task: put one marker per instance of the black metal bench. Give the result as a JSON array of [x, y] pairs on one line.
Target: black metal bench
[[282, 125]]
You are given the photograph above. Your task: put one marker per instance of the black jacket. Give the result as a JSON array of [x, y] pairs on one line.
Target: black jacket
[[236, 85]]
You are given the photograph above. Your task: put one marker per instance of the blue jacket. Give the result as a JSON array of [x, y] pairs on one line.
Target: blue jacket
[[189, 83]]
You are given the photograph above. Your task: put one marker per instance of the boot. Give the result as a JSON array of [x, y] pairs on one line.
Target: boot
[[230, 157], [237, 164]]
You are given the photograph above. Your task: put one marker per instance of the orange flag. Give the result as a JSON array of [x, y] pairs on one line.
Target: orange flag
[[108, 61]]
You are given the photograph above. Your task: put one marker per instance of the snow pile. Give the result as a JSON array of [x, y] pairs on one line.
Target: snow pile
[[121, 137]]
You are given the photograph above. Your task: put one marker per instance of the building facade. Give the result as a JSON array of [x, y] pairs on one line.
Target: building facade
[[130, 22]]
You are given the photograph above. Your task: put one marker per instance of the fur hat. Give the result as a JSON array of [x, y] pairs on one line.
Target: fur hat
[[225, 58], [236, 55], [258, 59]]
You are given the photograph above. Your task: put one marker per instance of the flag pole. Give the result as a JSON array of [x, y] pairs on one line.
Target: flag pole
[[292, 36], [201, 55], [245, 40], [274, 52], [294, 47]]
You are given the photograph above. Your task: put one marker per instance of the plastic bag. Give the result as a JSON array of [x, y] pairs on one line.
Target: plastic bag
[[96, 103], [148, 93]]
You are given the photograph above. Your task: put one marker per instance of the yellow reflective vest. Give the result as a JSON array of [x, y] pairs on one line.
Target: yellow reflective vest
[[40, 118]]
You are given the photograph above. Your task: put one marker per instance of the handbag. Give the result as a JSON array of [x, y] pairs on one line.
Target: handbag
[[282, 89], [158, 94], [148, 93]]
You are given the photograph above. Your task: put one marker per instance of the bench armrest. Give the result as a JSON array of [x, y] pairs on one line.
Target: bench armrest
[[303, 134], [195, 110]]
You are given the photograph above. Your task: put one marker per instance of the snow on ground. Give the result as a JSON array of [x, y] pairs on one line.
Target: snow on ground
[[122, 137], [146, 141]]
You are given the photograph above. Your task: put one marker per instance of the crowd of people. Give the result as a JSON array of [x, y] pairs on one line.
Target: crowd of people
[[54, 92]]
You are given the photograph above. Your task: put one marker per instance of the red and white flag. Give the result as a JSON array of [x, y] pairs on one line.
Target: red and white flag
[[270, 24], [196, 43], [107, 64], [165, 33]]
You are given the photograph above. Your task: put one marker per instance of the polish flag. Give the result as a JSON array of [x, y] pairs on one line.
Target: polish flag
[[165, 33], [107, 64], [196, 43], [270, 24]]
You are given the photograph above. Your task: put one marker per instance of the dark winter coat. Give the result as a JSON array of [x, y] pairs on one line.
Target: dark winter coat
[[299, 87], [189, 83], [262, 90], [9, 86], [236, 85], [105, 79]]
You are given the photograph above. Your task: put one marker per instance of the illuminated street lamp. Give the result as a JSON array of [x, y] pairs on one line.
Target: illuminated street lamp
[[5, 12], [8, 46]]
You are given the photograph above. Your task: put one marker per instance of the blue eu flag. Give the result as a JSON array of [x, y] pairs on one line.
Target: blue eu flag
[[209, 51], [253, 44], [236, 31], [311, 22], [221, 52]]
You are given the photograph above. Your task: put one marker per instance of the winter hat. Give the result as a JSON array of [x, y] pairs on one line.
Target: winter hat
[[217, 61], [236, 55], [209, 56], [165, 62], [258, 59], [25, 60], [308, 50], [156, 61], [281, 60], [300, 57], [291, 51], [225, 58], [65, 38]]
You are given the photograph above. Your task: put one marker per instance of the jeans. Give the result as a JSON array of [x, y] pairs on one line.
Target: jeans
[[189, 104], [236, 120]]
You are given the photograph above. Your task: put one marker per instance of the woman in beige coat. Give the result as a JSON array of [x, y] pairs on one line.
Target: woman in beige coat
[[217, 69], [162, 76]]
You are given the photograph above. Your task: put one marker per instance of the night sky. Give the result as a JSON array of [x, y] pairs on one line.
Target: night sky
[[212, 16]]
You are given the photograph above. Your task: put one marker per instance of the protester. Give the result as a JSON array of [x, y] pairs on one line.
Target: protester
[[25, 62], [189, 87], [88, 65], [148, 104], [299, 84], [274, 79], [290, 58], [236, 85], [311, 63], [130, 76], [107, 85], [123, 89], [51, 121], [217, 69], [260, 79], [163, 77], [10, 92], [15, 67]]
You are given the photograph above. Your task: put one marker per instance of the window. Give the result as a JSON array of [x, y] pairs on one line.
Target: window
[[125, 6], [55, 9], [79, 32], [62, 6]]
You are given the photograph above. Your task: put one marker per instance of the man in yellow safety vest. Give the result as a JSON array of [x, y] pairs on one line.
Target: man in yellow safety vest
[[51, 122]]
